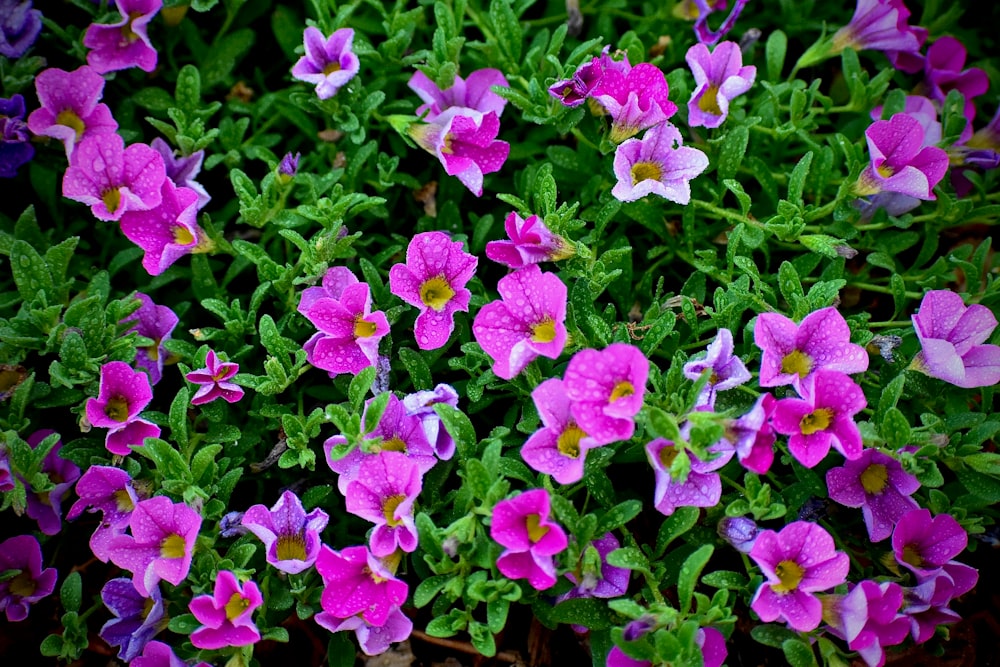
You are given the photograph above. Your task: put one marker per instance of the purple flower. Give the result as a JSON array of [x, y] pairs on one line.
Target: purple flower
[[792, 353], [606, 390], [373, 639], [182, 170], [706, 35], [657, 164], [433, 279], [289, 166], [527, 322], [123, 394], [156, 323], [161, 543], [951, 339], [521, 525], [472, 93], [530, 242], [883, 625], [290, 536], [635, 100], [727, 370], [19, 27], [6, 478], [926, 605], [988, 136], [110, 491], [45, 506], [752, 436], [739, 531], [943, 72], [922, 544], [900, 159], [560, 446], [823, 418], [925, 112], [386, 486], [798, 561], [21, 556], [465, 141], [421, 405], [137, 618], [357, 583], [158, 654], [226, 615], [604, 581], [702, 488], [877, 484], [112, 179], [14, 147], [880, 25], [329, 62], [124, 44], [70, 111], [574, 91], [214, 381], [719, 76]]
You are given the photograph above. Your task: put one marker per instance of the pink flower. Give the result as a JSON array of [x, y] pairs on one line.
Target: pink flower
[[112, 179], [329, 62], [386, 486], [952, 338], [574, 91], [719, 76], [522, 525], [922, 544], [21, 557], [702, 488], [465, 141], [877, 484], [290, 536], [70, 111], [214, 381], [433, 279], [606, 390], [727, 370], [883, 625], [705, 34], [373, 639], [607, 581], [880, 25], [110, 491], [472, 93], [657, 164], [124, 44], [182, 169], [530, 242], [226, 615], [156, 323], [943, 72], [560, 447], [158, 654], [527, 322], [900, 159], [752, 436], [635, 101], [357, 583], [45, 507], [167, 232], [123, 394]]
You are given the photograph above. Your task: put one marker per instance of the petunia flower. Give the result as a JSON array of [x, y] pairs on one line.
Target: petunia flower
[[604, 581], [879, 25], [124, 44], [158, 654], [943, 72], [15, 149], [373, 639], [226, 615], [181, 169], [877, 484], [433, 279], [868, 618], [702, 488], [289, 166], [618, 658], [328, 62], [19, 27], [575, 90], [137, 618], [657, 164], [25, 582], [472, 93], [606, 389], [110, 491], [559, 448], [900, 159], [465, 142], [635, 101], [156, 323], [70, 110], [926, 604], [752, 437], [521, 525], [530, 242], [726, 370], [922, 544], [214, 381], [123, 394], [719, 76], [167, 232], [797, 561], [529, 321], [701, 12], [6, 476], [112, 179], [290, 536], [386, 486], [45, 507], [952, 337], [357, 583], [421, 404]]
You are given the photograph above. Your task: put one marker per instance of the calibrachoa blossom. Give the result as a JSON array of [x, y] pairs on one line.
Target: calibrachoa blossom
[[19, 27], [112, 179], [926, 604], [703, 8], [161, 543], [880, 25], [465, 142], [357, 583], [900, 159], [823, 418], [792, 353], [606, 389], [433, 279], [702, 488], [952, 338], [156, 323], [877, 484], [373, 639], [70, 110], [943, 72], [182, 170], [6, 478], [727, 370], [226, 615], [14, 147], [560, 446], [123, 394], [124, 44], [574, 91], [329, 62], [719, 76], [752, 436], [45, 507], [521, 525], [290, 536], [868, 618], [657, 164], [386, 486], [158, 654], [527, 322], [600, 579], [21, 557], [472, 93], [797, 562], [214, 381], [289, 166], [531, 242], [922, 544], [635, 100], [137, 618], [421, 404], [110, 491]]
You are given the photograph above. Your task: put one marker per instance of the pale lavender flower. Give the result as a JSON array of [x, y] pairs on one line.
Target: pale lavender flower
[[19, 27], [156, 323], [877, 484], [868, 618], [952, 338], [739, 531], [702, 488], [421, 405], [465, 142], [705, 34], [290, 536], [373, 639], [726, 369], [602, 581], [215, 381], [137, 618], [926, 604], [719, 76], [328, 62], [472, 93], [657, 164], [125, 44]]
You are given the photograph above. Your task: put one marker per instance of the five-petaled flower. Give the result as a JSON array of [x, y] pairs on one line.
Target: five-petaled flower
[[70, 110], [471, 93], [559, 448], [226, 615], [952, 337], [606, 389], [215, 381], [877, 484], [290, 535], [168, 231], [110, 491], [25, 582], [703, 486], [137, 618], [726, 369], [112, 179], [635, 100], [329, 62], [355, 582], [123, 394], [657, 164], [465, 142], [901, 161], [530, 242], [719, 76], [521, 525], [126, 43], [386, 486]]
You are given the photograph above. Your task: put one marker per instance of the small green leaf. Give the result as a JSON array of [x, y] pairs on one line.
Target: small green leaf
[[688, 576], [798, 653], [178, 417], [71, 592], [375, 410], [416, 366], [458, 426], [629, 558], [360, 384], [428, 589], [774, 54], [678, 523]]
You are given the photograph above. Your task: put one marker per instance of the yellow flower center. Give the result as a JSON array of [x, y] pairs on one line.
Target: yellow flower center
[[70, 119], [389, 509], [709, 102], [23, 585], [789, 574], [127, 32], [290, 547], [446, 147], [568, 442], [183, 236], [363, 328], [147, 607], [237, 605], [667, 456], [535, 530], [817, 420], [912, 556], [117, 409], [875, 478], [435, 293], [374, 577], [885, 171], [796, 363], [123, 501], [544, 331], [331, 68], [646, 171], [622, 389], [172, 546], [394, 444], [112, 199]]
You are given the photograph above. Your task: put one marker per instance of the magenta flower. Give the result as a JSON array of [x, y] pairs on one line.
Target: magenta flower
[[124, 44], [214, 381], [560, 446], [70, 111], [792, 353], [702, 488], [574, 91], [726, 369], [21, 557], [926, 605], [19, 27], [719, 76], [877, 484], [617, 658], [421, 405], [15, 149], [472, 93], [167, 232], [752, 436], [329, 62], [522, 525], [608, 581], [823, 418], [883, 625], [123, 394], [373, 639], [349, 332], [45, 507], [952, 338], [527, 322], [901, 161], [137, 619], [357, 583], [530, 242], [112, 179], [433, 279], [386, 486], [161, 543], [657, 164], [943, 72], [880, 25], [182, 170], [465, 141], [606, 390], [156, 323], [6, 478], [226, 615], [158, 654], [635, 100], [290, 536], [703, 8], [922, 544], [110, 491], [798, 561]]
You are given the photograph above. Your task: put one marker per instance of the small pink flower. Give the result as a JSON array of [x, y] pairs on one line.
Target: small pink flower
[[635, 101], [22, 557], [329, 62], [472, 93], [123, 394], [70, 111], [530, 242], [877, 484], [290, 536], [383, 492], [357, 583], [953, 341], [719, 76], [702, 488], [560, 447], [901, 161], [156, 323], [373, 639], [923, 544], [574, 91], [522, 525], [214, 381], [465, 141], [727, 370], [110, 491], [167, 232], [657, 164], [124, 44], [226, 615], [112, 179], [606, 390]]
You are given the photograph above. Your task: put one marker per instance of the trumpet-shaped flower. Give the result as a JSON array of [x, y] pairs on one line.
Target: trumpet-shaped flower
[[952, 338], [606, 389], [472, 93], [167, 232], [635, 100], [386, 486], [45, 507], [290, 536], [123, 394], [922, 544], [900, 159], [156, 323], [70, 110], [530, 242], [226, 615], [112, 179], [702, 488], [595, 577], [19, 27], [214, 381], [880, 25], [15, 150], [373, 639], [137, 618], [926, 604], [877, 484], [181, 169], [560, 447], [124, 44], [421, 405], [21, 556], [329, 62], [465, 142], [943, 72], [719, 76], [824, 418], [574, 91], [110, 491], [657, 164], [357, 583], [521, 525]]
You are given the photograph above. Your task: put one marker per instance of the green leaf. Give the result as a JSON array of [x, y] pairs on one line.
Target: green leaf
[[797, 180], [71, 592], [178, 417], [725, 579], [774, 54], [895, 428], [798, 653], [591, 613], [188, 90], [678, 523], [789, 284], [168, 460], [428, 589], [629, 558], [618, 516], [458, 426], [689, 573], [184, 624], [734, 147], [416, 366], [375, 410], [31, 274], [340, 651], [358, 389], [203, 462]]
